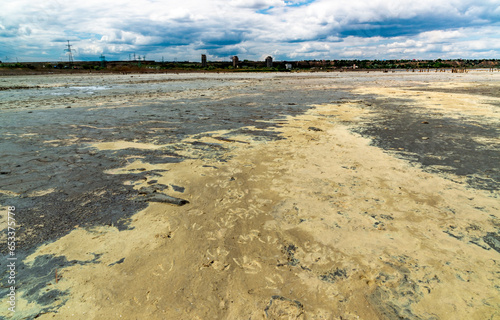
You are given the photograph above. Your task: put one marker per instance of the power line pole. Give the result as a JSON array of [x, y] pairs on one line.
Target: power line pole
[[103, 61], [70, 54]]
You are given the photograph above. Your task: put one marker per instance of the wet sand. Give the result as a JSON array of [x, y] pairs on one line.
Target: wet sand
[[310, 196]]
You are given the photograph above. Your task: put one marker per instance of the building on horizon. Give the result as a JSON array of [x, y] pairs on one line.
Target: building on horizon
[[269, 62], [203, 60], [235, 62]]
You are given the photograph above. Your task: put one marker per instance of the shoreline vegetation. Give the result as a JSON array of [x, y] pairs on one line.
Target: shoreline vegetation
[[144, 66]]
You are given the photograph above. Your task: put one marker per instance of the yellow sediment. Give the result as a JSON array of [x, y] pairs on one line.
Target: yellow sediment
[[118, 145], [321, 217], [40, 193], [454, 104]]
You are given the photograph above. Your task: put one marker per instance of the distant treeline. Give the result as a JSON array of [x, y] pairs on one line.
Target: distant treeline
[[417, 64], [247, 66]]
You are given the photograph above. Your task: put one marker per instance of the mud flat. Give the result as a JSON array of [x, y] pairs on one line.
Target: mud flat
[[253, 196]]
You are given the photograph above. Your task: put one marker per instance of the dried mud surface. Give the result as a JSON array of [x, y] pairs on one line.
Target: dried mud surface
[[300, 196]]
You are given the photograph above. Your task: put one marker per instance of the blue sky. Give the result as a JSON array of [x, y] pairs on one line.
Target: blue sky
[[252, 29]]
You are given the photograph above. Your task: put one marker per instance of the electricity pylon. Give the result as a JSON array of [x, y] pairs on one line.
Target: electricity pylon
[[70, 54]]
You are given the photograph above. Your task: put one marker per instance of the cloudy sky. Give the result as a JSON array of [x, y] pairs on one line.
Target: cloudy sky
[[35, 30]]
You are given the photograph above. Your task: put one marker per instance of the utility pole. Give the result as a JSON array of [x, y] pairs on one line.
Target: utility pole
[[70, 54], [103, 61]]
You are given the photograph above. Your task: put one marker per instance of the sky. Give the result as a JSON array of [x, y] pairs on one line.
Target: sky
[[173, 30]]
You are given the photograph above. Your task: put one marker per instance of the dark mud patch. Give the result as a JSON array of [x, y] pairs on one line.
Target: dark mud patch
[[332, 276], [280, 307], [399, 291], [51, 216], [481, 90], [18, 88], [436, 142], [493, 240]]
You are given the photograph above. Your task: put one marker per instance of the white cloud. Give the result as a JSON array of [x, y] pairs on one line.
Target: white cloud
[[255, 4], [441, 35], [254, 28], [406, 44]]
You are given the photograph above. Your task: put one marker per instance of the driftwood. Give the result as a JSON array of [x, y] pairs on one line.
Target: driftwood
[[151, 194], [229, 140], [161, 197], [314, 129]]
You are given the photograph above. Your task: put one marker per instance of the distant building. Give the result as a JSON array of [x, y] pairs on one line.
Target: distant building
[[203, 60], [235, 62], [288, 66], [269, 62]]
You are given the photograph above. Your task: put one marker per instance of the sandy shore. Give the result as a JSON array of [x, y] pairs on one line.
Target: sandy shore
[[310, 196]]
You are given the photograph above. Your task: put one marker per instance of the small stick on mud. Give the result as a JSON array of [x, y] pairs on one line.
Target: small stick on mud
[[229, 140], [160, 197]]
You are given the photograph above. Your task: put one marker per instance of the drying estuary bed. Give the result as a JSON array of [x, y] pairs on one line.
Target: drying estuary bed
[[252, 196]]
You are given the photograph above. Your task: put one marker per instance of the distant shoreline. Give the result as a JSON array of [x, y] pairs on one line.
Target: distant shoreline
[[139, 67], [24, 72]]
